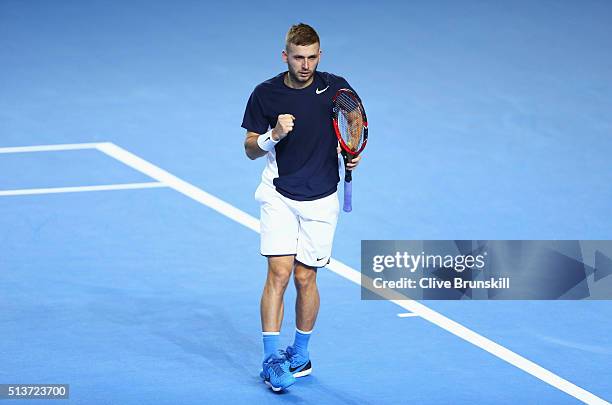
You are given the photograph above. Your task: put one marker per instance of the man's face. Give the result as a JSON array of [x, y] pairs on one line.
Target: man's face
[[302, 60]]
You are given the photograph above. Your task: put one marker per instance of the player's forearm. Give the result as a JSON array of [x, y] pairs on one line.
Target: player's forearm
[[256, 145], [252, 149]]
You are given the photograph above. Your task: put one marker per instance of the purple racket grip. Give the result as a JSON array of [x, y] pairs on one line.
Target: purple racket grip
[[348, 196]]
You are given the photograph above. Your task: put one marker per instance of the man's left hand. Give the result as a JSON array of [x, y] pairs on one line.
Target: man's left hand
[[352, 164]]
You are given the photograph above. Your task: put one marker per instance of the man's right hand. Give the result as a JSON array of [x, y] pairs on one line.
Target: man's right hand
[[284, 125]]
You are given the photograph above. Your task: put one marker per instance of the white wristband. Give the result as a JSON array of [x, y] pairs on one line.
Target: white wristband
[[266, 142]]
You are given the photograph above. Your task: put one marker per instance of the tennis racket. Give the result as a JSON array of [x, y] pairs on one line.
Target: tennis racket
[[351, 127]]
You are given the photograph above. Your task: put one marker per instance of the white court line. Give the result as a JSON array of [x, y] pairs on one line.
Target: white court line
[[340, 268], [353, 275], [79, 189], [48, 148], [407, 315], [179, 185]]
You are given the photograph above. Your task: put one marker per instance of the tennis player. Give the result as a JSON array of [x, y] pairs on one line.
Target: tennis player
[[288, 120]]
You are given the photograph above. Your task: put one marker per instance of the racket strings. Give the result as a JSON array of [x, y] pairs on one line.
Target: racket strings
[[350, 121]]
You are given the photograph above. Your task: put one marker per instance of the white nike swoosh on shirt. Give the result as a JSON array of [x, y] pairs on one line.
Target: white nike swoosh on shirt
[[321, 91]]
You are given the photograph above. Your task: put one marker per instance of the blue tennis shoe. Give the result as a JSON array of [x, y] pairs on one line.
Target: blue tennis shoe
[[299, 365], [276, 374]]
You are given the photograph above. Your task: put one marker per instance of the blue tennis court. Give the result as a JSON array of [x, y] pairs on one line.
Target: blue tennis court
[[129, 253]]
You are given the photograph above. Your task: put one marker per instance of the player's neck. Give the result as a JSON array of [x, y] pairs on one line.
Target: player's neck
[[295, 84]]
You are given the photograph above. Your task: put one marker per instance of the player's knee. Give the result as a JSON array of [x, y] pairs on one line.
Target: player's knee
[[305, 277], [279, 274], [278, 280]]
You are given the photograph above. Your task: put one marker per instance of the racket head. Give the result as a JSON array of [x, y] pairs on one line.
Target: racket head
[[350, 122]]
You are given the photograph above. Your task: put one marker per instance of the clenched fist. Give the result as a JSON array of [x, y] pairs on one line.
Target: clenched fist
[[284, 125]]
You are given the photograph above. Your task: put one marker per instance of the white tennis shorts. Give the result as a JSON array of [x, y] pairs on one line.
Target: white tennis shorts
[[301, 228]]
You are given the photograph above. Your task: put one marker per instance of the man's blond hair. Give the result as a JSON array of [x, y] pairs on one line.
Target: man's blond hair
[[301, 34]]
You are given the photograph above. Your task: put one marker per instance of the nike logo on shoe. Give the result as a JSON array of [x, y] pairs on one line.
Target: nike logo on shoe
[[302, 366], [321, 91]]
